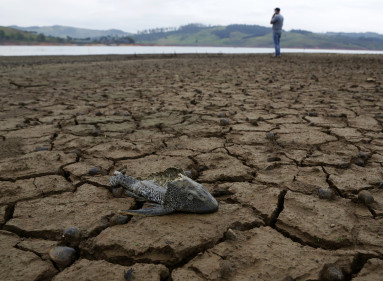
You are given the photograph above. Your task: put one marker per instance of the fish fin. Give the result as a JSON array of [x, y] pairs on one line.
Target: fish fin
[[156, 210]]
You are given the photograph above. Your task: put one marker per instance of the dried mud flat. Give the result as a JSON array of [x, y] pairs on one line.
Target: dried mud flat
[[285, 145]]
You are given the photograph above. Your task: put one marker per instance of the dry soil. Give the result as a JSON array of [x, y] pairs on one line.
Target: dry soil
[[285, 145]]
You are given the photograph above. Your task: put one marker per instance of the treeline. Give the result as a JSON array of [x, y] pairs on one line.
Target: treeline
[[10, 35], [251, 30], [157, 33], [21, 36]]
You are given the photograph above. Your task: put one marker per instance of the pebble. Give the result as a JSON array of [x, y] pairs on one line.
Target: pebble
[[365, 197], [63, 256], [95, 132], [359, 162], [118, 219], [117, 192], [221, 115], [230, 235], [270, 136], [344, 165], [363, 155], [331, 272], [326, 193], [224, 122], [313, 114], [94, 171], [254, 122], [219, 191], [98, 113], [71, 236]]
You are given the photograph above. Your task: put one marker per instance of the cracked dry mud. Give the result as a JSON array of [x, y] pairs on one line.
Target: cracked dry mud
[[264, 136]]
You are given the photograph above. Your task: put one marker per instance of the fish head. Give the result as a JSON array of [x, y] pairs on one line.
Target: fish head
[[185, 195]]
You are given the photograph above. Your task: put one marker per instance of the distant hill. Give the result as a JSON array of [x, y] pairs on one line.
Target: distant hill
[[72, 32], [238, 35], [13, 36], [235, 35]]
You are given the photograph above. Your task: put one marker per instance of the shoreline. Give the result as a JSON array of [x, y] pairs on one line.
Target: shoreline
[[186, 46]]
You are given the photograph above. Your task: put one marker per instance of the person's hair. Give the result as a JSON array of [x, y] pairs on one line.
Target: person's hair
[[277, 9]]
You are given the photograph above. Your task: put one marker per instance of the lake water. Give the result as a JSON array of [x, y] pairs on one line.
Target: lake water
[[131, 50]]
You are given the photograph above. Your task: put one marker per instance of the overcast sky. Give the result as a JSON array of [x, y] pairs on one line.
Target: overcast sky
[[135, 15]]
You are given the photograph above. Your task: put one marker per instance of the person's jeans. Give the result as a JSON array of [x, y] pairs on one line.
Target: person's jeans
[[277, 38]]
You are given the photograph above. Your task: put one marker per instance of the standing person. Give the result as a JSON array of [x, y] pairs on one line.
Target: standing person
[[277, 22]]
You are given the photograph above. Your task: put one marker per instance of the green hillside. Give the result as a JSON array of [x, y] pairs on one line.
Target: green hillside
[[73, 32], [257, 36], [12, 35]]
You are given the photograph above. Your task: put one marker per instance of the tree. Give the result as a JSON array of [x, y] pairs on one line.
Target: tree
[[41, 37]]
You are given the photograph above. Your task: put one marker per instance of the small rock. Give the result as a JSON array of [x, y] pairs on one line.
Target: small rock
[[118, 219], [363, 155], [62, 256], [359, 162], [117, 192], [332, 225], [224, 122], [193, 101], [219, 191], [95, 132], [344, 165], [98, 113], [330, 272], [313, 114], [230, 235], [71, 236], [94, 171], [127, 114], [254, 122], [365, 197], [270, 136], [326, 193], [370, 79], [221, 115]]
